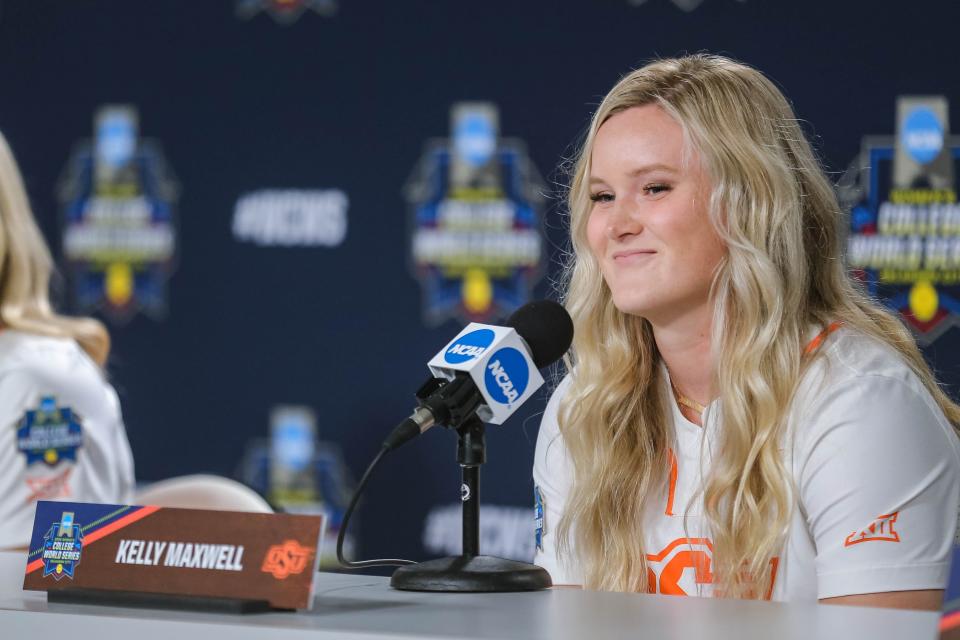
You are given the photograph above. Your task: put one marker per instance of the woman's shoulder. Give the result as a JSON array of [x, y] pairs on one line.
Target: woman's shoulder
[[860, 380], [852, 358], [33, 355]]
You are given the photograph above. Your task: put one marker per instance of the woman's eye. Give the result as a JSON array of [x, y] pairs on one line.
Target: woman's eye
[[654, 189], [601, 197]]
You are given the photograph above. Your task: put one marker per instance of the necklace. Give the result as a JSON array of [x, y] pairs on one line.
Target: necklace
[[687, 402], [695, 406]]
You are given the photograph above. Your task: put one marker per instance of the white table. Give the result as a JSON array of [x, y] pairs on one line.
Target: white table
[[366, 608]]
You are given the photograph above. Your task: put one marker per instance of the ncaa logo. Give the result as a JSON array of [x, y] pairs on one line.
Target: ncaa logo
[[922, 135], [506, 375], [469, 346], [475, 139], [116, 137]]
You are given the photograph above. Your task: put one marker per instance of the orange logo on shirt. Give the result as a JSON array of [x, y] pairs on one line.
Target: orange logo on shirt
[[50, 488], [691, 557], [879, 529], [665, 569], [285, 559]]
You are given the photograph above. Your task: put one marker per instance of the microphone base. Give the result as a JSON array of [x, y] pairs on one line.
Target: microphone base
[[471, 574]]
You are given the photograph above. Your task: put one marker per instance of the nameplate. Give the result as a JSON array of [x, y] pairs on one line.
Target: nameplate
[[224, 555]]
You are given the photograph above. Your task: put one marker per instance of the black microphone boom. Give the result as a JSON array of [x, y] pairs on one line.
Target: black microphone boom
[[441, 402]]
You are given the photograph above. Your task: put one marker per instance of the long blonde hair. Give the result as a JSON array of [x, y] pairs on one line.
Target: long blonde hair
[[778, 215], [26, 267]]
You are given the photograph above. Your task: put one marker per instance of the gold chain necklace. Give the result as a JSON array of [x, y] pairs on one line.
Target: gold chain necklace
[[687, 402], [693, 405]]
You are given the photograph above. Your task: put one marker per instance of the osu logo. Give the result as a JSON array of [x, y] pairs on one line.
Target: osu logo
[[665, 570], [286, 559], [683, 566]]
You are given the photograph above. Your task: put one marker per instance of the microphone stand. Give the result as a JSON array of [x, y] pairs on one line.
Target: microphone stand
[[470, 571]]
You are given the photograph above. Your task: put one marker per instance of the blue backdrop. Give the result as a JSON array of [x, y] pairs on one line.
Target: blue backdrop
[[347, 102]]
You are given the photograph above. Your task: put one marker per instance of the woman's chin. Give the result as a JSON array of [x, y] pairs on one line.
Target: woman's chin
[[634, 307]]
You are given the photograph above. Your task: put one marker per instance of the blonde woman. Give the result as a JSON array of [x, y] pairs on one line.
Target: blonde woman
[[739, 419], [61, 432]]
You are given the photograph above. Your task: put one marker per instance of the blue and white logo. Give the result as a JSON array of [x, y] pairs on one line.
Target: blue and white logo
[[506, 376], [475, 139], [49, 434], [116, 137], [922, 135], [469, 346], [62, 546], [293, 440], [476, 242], [119, 233]]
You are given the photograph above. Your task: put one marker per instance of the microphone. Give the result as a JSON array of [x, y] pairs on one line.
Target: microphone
[[488, 370]]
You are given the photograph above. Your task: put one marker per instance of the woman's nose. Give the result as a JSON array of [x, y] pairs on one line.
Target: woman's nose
[[624, 219]]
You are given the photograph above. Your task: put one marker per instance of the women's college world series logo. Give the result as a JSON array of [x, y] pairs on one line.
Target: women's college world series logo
[[49, 434], [476, 237], [62, 546], [119, 236], [904, 240]]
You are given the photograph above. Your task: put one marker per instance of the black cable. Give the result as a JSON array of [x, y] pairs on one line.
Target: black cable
[[361, 564]]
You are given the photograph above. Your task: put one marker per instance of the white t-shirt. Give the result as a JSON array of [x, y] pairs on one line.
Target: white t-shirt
[[61, 433], [875, 463]]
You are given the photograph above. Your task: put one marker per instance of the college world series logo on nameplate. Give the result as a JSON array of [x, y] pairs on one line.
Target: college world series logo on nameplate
[[904, 236]]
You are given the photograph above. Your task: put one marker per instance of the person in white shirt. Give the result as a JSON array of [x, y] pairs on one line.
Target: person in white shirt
[[61, 432], [739, 418]]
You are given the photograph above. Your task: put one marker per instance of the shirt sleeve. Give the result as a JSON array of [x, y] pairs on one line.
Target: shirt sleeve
[[552, 478], [97, 466], [879, 485]]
